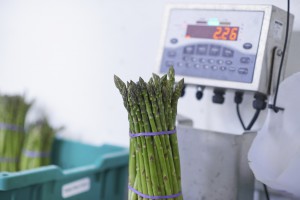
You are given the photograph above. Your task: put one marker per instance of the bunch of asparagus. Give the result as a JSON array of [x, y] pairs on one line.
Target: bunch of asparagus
[[13, 111], [154, 164], [37, 145]]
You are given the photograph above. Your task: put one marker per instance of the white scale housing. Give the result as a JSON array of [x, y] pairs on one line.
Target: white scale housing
[[240, 61]]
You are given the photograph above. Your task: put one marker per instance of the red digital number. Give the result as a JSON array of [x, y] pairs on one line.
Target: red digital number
[[225, 33], [217, 33], [233, 33]]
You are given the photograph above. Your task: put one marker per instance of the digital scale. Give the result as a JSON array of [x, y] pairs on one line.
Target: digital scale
[[231, 48], [223, 46]]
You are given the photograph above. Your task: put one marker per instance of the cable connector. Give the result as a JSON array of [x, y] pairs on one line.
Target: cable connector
[[199, 92], [219, 96], [260, 101], [238, 98]]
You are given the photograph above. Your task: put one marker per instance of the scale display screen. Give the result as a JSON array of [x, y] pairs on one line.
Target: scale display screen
[[213, 32]]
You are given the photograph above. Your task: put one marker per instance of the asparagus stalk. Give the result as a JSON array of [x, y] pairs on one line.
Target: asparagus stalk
[[159, 172], [132, 167], [37, 145], [8, 151], [141, 165], [133, 157], [158, 120], [147, 110], [149, 143], [12, 116], [48, 141], [134, 196], [33, 144], [138, 147], [154, 124], [138, 173], [158, 93], [2, 132], [174, 101], [141, 140]]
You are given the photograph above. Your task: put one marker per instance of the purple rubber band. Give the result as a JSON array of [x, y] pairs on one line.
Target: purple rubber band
[[8, 160], [154, 197], [35, 154], [11, 127], [133, 135]]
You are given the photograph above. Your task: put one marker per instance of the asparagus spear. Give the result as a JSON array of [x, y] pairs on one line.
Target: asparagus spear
[[141, 165], [141, 140], [154, 124], [175, 96], [37, 145], [134, 196], [133, 158], [149, 142], [12, 116], [158, 93], [157, 119], [159, 172], [9, 151]]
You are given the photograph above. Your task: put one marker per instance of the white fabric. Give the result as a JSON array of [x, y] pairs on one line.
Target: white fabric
[[274, 156]]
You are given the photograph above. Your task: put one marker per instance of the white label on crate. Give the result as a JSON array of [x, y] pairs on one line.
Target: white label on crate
[[76, 187]]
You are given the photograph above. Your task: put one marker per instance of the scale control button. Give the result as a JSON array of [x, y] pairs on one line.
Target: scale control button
[[189, 49], [202, 49], [194, 59], [172, 54], [231, 69], [205, 67], [220, 62], [174, 41], [197, 66], [247, 45], [186, 58], [213, 67], [228, 62], [243, 71], [211, 61], [188, 65], [223, 68], [169, 63], [180, 64], [214, 50], [202, 60], [245, 60], [227, 53]]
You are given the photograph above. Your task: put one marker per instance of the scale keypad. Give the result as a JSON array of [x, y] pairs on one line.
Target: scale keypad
[[210, 61]]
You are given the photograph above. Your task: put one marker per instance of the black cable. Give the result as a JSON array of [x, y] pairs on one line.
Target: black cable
[[282, 58], [266, 191], [253, 120], [258, 104], [239, 116]]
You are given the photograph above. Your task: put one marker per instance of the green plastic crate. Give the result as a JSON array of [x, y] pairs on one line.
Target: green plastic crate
[[80, 172]]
